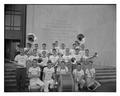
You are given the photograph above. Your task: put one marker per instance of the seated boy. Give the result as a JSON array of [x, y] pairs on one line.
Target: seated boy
[[34, 74], [92, 84], [47, 76], [78, 75], [62, 69]]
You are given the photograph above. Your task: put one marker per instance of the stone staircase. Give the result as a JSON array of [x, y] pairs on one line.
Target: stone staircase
[[103, 75]]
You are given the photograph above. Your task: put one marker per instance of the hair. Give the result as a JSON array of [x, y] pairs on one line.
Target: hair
[[54, 49], [34, 59], [49, 61], [86, 49], [43, 43], [36, 44], [62, 61], [53, 43]]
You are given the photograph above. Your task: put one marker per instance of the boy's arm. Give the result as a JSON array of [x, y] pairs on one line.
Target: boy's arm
[[43, 77], [94, 74]]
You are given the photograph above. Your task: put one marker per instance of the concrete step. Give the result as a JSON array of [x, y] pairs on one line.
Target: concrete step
[[10, 77], [105, 77], [113, 73], [10, 69], [105, 71], [109, 68], [14, 84], [10, 73], [107, 80], [10, 80]]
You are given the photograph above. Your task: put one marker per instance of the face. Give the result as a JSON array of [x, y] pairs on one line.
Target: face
[[44, 46], [62, 46], [62, 64], [28, 45], [86, 52], [34, 63], [34, 52], [77, 51], [82, 47], [74, 46], [53, 45], [36, 46], [79, 67], [54, 51], [49, 65], [67, 50], [56, 43], [21, 51], [43, 53]]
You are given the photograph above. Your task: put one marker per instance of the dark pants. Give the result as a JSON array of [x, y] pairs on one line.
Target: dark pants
[[21, 78]]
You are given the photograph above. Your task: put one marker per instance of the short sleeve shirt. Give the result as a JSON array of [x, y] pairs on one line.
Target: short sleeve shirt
[[54, 58], [48, 73], [90, 72], [34, 71], [21, 60], [77, 73]]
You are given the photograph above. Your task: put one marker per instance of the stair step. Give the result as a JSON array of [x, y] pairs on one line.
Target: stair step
[[14, 84], [10, 73], [105, 77], [107, 80], [113, 73], [10, 80], [105, 71], [105, 68], [10, 77], [10, 69]]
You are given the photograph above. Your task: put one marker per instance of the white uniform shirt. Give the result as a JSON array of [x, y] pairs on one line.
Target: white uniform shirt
[[62, 71], [66, 58], [43, 50], [48, 73], [44, 61], [82, 53], [72, 51], [62, 51], [90, 72], [78, 74], [21, 60], [77, 57], [34, 71], [53, 58], [33, 57]]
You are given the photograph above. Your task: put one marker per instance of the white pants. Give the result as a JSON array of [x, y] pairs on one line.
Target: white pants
[[36, 83], [81, 82], [47, 83]]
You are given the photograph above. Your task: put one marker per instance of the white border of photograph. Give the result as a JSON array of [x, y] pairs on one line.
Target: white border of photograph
[[2, 2]]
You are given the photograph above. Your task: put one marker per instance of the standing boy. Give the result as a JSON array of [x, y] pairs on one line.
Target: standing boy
[[20, 61]]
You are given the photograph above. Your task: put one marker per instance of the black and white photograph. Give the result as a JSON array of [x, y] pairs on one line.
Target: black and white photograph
[[60, 48]]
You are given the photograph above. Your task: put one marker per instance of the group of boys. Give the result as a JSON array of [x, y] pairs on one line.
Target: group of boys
[[43, 65]]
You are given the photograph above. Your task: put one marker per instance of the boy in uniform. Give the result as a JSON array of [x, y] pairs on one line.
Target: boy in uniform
[[92, 84], [78, 75], [62, 49], [67, 58], [34, 74], [20, 61], [54, 58], [47, 76]]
